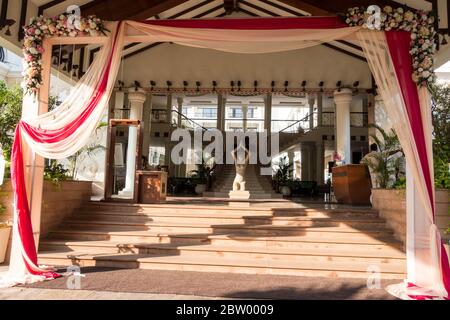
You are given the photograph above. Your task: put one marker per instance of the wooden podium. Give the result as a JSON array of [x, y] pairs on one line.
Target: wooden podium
[[152, 186], [351, 184]]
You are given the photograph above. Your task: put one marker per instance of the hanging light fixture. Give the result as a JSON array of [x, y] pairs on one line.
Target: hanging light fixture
[[214, 84], [185, 84], [444, 40], [169, 84], [321, 86], [272, 84], [255, 85], [303, 84], [197, 83], [7, 23], [152, 84], [239, 85], [232, 85], [74, 70], [286, 84]]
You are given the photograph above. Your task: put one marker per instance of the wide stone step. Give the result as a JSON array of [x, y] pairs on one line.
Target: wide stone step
[[225, 210], [253, 195], [303, 221], [267, 229], [318, 253], [249, 238], [192, 262]]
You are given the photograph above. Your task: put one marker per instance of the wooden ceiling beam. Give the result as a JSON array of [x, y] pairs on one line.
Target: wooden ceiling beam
[[313, 9], [114, 10], [326, 8]]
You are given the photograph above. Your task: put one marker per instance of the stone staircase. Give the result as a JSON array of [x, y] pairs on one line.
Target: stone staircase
[[214, 237], [259, 186]]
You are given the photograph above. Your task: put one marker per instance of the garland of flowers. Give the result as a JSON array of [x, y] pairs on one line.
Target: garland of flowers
[[419, 23], [64, 25]]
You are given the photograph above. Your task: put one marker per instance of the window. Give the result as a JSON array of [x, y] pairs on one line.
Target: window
[[251, 113], [236, 113], [209, 113]]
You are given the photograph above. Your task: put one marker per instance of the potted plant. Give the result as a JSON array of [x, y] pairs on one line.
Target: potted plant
[[5, 231], [203, 174], [281, 178]]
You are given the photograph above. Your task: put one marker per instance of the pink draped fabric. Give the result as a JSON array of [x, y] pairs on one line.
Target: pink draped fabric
[[399, 46], [254, 24], [17, 171]]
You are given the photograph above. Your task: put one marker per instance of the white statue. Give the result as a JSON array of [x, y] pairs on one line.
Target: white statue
[[241, 156]]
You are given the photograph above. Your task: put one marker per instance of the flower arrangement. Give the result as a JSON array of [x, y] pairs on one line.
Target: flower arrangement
[[64, 25], [418, 23]]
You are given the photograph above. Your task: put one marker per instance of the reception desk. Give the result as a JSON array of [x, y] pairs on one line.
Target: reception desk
[[351, 184], [152, 186]]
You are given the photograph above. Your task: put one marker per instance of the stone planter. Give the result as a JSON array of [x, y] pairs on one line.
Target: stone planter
[[285, 191], [200, 188], [4, 240], [391, 205]]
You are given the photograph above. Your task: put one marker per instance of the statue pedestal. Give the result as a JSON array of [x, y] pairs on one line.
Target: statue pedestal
[[239, 195]]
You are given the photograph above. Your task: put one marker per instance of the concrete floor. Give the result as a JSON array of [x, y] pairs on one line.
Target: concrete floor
[[138, 284]]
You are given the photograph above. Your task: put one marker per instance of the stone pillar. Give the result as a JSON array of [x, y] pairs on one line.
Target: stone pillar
[[268, 120], [291, 156], [147, 119], [311, 100], [221, 103], [343, 99], [305, 165], [136, 99], [119, 102], [244, 117], [268, 113], [319, 108], [180, 111], [320, 162]]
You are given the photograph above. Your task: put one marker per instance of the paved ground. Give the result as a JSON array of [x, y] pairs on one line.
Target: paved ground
[[108, 283]]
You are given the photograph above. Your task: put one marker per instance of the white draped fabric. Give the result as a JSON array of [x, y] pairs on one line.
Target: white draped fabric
[[424, 247], [424, 268]]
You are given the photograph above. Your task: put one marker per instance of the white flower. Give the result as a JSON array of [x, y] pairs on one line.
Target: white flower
[[32, 50], [426, 74]]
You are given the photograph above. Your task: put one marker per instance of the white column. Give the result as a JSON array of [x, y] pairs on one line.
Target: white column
[[343, 99], [311, 100], [136, 99]]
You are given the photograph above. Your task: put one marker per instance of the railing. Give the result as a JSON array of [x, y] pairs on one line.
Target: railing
[[357, 119], [188, 123], [297, 126]]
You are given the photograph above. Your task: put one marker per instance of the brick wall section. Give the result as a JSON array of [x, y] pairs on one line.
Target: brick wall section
[[391, 205], [58, 202]]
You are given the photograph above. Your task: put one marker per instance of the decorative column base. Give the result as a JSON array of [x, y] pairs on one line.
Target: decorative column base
[[239, 195]]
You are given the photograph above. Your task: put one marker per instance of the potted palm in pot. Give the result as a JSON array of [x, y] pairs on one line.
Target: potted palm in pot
[[203, 174], [281, 178]]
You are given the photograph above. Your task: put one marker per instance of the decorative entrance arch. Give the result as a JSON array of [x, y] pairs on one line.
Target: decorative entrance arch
[[61, 132]]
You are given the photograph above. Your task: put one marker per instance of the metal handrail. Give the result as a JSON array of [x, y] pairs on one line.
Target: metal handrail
[[190, 120], [301, 120]]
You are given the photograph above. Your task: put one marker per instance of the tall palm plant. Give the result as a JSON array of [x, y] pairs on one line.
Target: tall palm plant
[[384, 165]]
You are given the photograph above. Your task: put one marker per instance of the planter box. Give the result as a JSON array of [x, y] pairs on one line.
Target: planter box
[[58, 201], [391, 205], [4, 241]]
